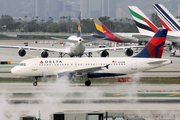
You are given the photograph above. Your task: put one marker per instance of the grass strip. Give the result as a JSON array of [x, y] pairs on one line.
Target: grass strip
[[142, 80]]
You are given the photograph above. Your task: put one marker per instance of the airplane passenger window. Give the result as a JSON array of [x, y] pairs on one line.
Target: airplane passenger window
[[24, 64]]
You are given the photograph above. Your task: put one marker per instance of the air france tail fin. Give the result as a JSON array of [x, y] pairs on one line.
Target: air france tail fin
[[168, 21], [104, 32], [79, 26], [144, 25], [154, 48]]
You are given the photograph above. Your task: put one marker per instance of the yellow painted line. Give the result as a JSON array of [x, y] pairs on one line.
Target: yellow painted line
[[173, 94], [105, 84], [121, 94]]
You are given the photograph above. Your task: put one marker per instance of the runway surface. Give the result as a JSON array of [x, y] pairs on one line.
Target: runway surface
[[18, 99], [61, 96]]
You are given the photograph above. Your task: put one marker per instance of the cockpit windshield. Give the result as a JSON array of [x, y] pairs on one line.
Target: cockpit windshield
[[22, 64]]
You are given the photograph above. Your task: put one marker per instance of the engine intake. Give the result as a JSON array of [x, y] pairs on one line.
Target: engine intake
[[104, 54], [44, 54], [129, 52], [21, 52]]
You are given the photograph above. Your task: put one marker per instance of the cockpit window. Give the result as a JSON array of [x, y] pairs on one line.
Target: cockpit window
[[22, 64]]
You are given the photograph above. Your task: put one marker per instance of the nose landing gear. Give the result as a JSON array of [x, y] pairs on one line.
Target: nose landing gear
[[35, 81]]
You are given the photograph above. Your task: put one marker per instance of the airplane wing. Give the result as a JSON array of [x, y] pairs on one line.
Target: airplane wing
[[110, 48], [36, 48], [82, 70], [143, 37], [64, 40]]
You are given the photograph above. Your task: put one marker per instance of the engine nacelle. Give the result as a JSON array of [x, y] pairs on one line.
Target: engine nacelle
[[104, 54], [44, 54], [129, 52], [21, 52]]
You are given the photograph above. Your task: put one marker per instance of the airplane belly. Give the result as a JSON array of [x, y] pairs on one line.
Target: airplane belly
[[77, 50]]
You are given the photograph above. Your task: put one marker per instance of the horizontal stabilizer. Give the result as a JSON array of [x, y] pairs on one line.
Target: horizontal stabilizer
[[157, 61]]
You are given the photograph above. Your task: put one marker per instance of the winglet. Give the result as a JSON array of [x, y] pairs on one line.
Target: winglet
[[107, 66], [79, 26], [154, 48]]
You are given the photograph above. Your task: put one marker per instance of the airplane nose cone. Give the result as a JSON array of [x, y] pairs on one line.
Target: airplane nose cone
[[14, 70]]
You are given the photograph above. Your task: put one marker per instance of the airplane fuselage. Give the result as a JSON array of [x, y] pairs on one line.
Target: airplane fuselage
[[76, 49], [117, 66]]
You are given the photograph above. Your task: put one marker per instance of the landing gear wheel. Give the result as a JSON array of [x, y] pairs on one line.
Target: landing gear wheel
[[35, 83], [88, 83]]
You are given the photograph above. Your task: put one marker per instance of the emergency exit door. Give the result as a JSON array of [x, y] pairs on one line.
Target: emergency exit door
[[133, 64]]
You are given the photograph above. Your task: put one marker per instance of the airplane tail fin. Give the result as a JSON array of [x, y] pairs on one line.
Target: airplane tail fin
[[79, 26], [101, 29], [144, 25], [168, 21], [104, 32], [154, 48]]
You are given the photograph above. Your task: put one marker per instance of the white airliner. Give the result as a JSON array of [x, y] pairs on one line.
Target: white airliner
[[77, 47], [148, 58]]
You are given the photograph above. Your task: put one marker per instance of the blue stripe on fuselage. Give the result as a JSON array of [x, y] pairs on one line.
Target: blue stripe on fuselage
[[94, 75]]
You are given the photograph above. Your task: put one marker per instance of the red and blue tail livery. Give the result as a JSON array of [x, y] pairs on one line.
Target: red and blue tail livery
[[154, 48], [104, 32]]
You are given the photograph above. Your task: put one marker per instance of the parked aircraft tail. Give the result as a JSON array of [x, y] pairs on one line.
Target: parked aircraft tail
[[168, 21], [79, 26], [144, 25], [104, 32], [154, 48]]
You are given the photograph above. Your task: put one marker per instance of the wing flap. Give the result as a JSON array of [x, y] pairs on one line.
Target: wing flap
[[82, 70], [111, 48]]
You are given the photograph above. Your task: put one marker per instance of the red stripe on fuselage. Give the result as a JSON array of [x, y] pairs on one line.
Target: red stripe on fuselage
[[110, 35]]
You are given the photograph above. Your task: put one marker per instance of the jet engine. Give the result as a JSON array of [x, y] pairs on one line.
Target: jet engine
[[129, 52], [21, 52], [44, 54], [104, 54]]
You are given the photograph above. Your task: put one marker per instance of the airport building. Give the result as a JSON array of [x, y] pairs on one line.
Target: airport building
[[97, 8]]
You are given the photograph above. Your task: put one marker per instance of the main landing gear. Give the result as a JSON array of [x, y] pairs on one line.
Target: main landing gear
[[88, 82], [35, 81]]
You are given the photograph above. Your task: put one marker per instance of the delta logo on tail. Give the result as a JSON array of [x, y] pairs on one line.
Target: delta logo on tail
[[154, 48], [141, 20], [104, 32], [167, 20]]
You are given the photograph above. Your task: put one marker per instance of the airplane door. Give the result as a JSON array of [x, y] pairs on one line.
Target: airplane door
[[34, 65], [133, 64]]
